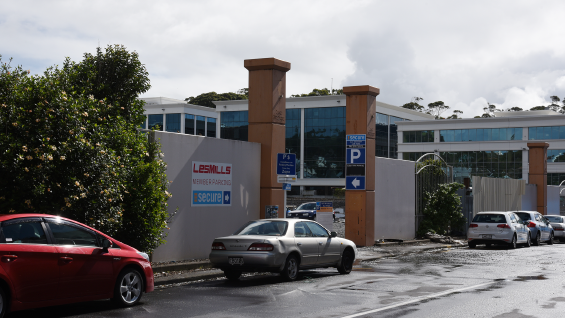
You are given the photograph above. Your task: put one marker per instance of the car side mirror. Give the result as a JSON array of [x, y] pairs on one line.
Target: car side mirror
[[106, 244], [333, 234]]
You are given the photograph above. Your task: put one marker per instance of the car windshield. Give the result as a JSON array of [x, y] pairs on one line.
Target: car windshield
[[554, 219], [489, 218], [270, 228], [524, 216], [307, 206]]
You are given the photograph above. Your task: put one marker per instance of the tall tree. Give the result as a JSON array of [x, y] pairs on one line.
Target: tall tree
[[414, 104], [320, 92], [206, 99], [70, 146], [436, 109]]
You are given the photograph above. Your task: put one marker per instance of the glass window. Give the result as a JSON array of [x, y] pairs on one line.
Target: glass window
[[69, 234], [554, 132], [234, 125], [457, 135], [487, 134], [546, 132], [518, 133], [173, 122], [480, 135], [472, 134], [532, 133], [211, 127], [189, 124], [495, 134], [442, 135], [317, 230], [539, 133], [562, 132], [302, 230], [450, 136], [28, 231], [292, 134], [200, 125], [155, 122], [465, 135], [263, 227], [324, 151]]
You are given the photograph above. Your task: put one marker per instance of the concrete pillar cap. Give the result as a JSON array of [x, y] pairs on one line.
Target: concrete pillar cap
[[361, 90], [269, 63], [538, 145]]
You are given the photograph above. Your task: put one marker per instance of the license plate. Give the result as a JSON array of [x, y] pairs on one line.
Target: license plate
[[486, 236], [305, 214], [235, 260]]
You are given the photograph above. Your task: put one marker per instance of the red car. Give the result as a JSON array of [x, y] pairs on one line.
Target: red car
[[46, 260]]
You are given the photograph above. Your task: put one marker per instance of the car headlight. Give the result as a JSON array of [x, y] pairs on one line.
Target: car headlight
[[144, 255]]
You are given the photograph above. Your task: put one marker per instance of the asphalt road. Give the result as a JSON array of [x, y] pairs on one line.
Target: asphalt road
[[495, 282]]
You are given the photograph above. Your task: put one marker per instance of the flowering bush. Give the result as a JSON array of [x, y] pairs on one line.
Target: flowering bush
[[69, 146]]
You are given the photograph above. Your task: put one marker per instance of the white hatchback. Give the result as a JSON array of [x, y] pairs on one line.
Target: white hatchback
[[498, 228]]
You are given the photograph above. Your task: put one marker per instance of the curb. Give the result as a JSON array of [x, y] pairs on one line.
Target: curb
[[412, 242], [181, 267], [369, 259], [189, 278]]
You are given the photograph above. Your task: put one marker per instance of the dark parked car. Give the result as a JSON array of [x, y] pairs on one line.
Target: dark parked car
[[47, 260], [304, 211]]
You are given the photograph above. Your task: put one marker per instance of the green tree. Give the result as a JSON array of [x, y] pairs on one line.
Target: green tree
[[206, 99], [69, 146], [436, 109], [320, 92], [443, 210], [539, 108], [514, 109], [414, 104]]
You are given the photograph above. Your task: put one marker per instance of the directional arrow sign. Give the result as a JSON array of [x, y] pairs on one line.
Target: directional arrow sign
[[354, 183]]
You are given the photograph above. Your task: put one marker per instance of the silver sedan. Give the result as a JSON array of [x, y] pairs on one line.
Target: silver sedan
[[282, 246]]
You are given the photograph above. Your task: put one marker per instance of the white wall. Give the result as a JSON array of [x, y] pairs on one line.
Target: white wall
[[193, 229], [553, 200], [530, 199], [394, 199]]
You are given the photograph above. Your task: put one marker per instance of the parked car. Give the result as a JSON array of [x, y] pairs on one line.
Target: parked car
[[498, 228], [558, 224], [304, 211], [47, 260], [538, 225], [282, 246]]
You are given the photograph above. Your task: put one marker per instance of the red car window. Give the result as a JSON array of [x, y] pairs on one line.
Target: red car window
[[24, 232]]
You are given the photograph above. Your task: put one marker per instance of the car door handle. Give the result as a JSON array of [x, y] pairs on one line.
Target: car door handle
[[10, 258], [320, 243], [66, 259], [298, 243]]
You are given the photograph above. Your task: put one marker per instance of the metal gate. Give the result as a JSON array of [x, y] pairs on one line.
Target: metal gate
[[429, 175]]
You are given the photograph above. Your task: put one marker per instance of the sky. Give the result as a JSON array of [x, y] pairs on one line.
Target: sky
[[464, 53]]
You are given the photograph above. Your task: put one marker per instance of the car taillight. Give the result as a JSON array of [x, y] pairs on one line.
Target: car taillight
[[531, 224], [473, 225], [261, 247], [503, 226], [558, 228], [218, 246]]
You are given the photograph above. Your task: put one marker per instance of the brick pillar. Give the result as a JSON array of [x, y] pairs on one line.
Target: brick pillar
[[537, 172], [360, 114], [267, 116]]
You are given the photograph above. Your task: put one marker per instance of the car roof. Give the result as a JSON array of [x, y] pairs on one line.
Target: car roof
[[490, 212], [7, 217]]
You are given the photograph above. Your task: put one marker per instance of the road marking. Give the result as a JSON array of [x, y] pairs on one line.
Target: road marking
[[418, 299]]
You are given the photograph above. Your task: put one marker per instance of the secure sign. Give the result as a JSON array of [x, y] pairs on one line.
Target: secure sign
[[355, 149], [211, 184]]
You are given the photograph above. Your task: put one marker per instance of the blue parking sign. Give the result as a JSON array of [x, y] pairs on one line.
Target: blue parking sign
[[356, 155]]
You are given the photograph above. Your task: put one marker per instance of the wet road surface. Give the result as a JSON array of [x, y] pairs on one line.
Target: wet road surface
[[493, 282]]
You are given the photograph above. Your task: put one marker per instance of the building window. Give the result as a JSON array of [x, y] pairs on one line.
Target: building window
[[393, 150], [211, 127], [555, 178], [292, 135], [381, 136], [173, 122], [418, 136], [189, 124], [155, 122], [545, 133], [555, 155], [493, 164], [488, 134], [234, 125], [201, 125], [324, 142]]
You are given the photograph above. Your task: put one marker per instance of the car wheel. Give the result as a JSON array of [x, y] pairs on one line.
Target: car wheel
[[512, 245], [537, 240], [3, 302], [472, 244], [232, 275], [529, 241], [551, 238], [128, 289], [346, 264], [290, 270]]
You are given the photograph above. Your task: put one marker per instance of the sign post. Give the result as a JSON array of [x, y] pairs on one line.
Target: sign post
[[286, 171], [355, 147]]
